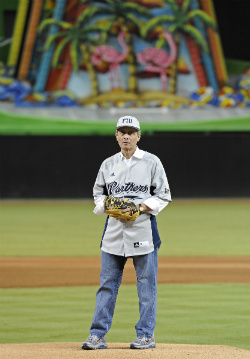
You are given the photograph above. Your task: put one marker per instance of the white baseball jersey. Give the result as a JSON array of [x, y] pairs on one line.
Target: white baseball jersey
[[142, 180]]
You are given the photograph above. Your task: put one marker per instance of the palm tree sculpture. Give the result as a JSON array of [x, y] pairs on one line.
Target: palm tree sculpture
[[180, 22], [127, 15], [77, 38], [46, 57]]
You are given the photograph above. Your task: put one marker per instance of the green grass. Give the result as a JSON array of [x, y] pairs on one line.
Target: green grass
[[206, 228], [61, 228], [217, 314], [14, 124]]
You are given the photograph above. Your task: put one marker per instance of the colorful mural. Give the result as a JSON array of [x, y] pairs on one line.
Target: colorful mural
[[116, 52]]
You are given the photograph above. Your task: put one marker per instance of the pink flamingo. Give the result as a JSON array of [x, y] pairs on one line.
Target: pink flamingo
[[113, 57], [158, 60]]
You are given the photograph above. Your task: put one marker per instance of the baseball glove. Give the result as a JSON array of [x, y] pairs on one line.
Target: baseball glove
[[114, 207]]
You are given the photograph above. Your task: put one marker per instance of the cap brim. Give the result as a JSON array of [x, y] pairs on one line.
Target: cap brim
[[128, 126]]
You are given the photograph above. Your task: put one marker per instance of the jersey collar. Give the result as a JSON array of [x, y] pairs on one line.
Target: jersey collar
[[138, 154]]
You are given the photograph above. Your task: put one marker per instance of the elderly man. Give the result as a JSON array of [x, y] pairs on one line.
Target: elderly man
[[139, 176]]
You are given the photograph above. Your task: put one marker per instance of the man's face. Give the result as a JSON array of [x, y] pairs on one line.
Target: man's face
[[127, 138]]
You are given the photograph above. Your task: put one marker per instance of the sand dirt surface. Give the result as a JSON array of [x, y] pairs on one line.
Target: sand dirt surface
[[24, 272], [120, 351]]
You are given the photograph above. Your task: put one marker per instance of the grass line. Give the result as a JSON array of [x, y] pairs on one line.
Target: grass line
[[14, 124]]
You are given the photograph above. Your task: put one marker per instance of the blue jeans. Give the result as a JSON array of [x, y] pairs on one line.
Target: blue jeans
[[112, 266]]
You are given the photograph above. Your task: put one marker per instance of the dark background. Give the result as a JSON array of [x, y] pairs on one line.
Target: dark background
[[234, 27], [197, 164]]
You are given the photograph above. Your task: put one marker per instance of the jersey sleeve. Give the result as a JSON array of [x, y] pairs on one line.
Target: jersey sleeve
[[160, 186], [99, 188], [99, 192]]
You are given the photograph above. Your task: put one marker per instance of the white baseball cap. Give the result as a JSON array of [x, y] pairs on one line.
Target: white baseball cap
[[128, 121]]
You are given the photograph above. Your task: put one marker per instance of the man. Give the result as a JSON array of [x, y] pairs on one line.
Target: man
[[140, 177]]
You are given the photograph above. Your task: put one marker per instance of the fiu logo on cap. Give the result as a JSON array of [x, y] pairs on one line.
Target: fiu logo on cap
[[127, 120]]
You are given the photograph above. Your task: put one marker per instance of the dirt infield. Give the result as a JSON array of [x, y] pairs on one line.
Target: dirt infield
[[121, 351], [20, 272]]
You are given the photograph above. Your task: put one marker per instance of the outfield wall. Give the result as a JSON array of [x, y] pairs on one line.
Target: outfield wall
[[197, 164]]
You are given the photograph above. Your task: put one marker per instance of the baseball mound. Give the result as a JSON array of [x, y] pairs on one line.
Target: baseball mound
[[120, 351]]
